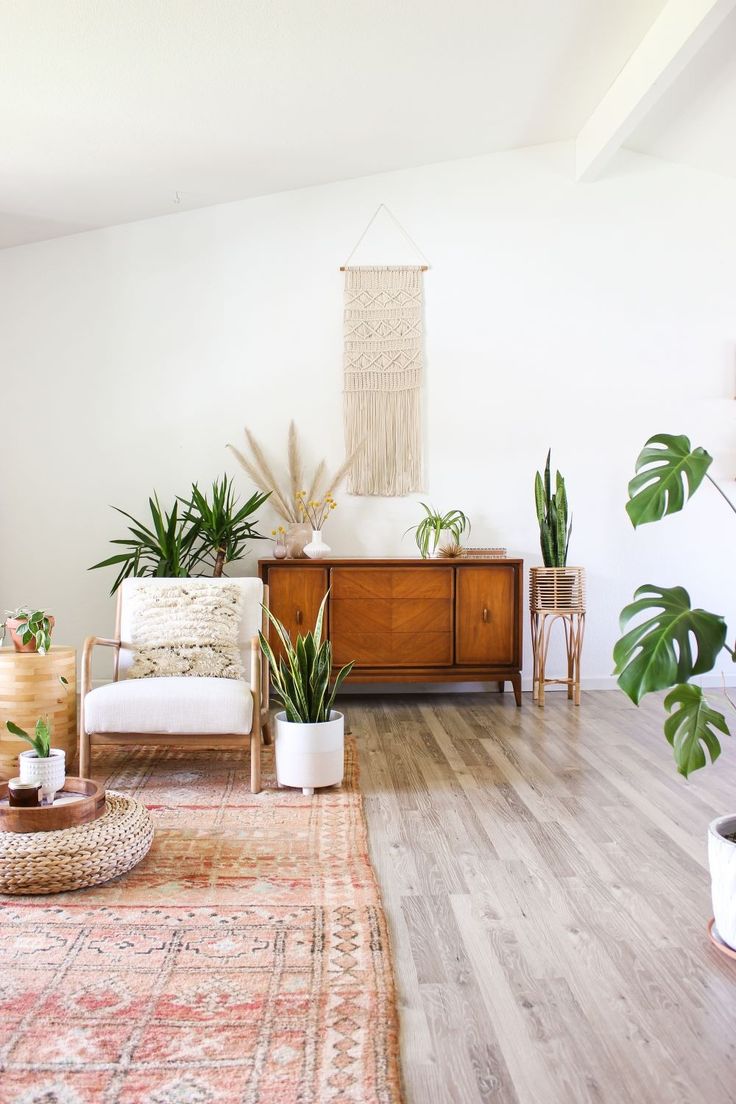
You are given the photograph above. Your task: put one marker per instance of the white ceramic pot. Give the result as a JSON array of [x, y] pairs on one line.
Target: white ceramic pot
[[48, 773], [317, 549], [722, 860], [310, 755]]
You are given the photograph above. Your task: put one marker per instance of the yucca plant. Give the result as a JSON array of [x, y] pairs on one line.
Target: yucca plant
[[222, 528], [430, 529], [200, 535], [301, 677], [40, 741], [552, 514], [168, 549]]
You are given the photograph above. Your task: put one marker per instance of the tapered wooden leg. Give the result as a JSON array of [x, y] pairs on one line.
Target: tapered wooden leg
[[516, 684], [255, 745], [266, 729], [501, 686], [84, 754]]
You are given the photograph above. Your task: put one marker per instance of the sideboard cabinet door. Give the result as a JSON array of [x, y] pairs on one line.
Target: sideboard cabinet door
[[294, 597], [485, 615]]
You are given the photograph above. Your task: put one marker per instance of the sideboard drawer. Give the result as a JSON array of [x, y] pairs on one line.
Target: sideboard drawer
[[404, 615], [399, 582], [368, 649]]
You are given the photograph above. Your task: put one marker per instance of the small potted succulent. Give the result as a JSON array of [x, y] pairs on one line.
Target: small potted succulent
[[309, 743], [436, 527], [29, 630], [43, 765]]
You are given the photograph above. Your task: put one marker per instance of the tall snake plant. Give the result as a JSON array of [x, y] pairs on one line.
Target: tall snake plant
[[552, 514], [301, 677]]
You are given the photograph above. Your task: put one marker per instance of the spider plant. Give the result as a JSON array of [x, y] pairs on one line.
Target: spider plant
[[222, 529], [430, 529], [168, 549], [301, 677], [40, 741]]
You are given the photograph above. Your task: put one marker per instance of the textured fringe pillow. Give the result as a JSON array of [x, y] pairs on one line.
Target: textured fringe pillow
[[187, 628]]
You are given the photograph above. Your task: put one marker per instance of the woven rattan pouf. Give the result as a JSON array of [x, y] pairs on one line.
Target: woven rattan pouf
[[53, 862]]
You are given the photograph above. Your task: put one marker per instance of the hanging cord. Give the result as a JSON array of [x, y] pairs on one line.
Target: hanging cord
[[392, 216]]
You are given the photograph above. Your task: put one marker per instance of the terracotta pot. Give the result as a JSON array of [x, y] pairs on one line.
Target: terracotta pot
[[12, 623]]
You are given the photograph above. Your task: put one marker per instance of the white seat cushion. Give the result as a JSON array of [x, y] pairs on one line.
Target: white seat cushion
[[180, 706]]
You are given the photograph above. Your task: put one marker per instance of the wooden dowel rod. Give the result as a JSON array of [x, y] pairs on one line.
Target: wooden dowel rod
[[422, 268]]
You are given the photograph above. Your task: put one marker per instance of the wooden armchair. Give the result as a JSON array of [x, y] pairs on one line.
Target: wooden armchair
[[179, 711]]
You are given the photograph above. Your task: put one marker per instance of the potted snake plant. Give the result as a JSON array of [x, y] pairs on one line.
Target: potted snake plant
[[309, 741], [554, 586], [43, 765], [666, 644]]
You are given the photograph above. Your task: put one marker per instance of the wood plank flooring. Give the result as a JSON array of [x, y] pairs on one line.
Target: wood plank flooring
[[545, 878]]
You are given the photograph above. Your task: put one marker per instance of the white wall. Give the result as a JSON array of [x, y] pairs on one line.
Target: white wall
[[582, 316]]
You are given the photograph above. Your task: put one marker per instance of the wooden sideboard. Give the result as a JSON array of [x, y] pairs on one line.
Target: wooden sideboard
[[408, 620]]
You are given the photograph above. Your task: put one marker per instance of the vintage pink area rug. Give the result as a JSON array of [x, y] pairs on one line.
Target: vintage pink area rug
[[245, 961]]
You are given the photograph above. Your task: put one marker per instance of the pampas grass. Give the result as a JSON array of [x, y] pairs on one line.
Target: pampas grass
[[285, 501]]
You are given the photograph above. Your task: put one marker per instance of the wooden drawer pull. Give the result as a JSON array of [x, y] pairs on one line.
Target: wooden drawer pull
[[298, 617], [486, 616]]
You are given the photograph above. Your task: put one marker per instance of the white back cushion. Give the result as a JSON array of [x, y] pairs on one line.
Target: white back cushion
[[249, 625]]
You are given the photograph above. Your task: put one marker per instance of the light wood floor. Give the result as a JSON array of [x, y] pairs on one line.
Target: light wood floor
[[546, 884]]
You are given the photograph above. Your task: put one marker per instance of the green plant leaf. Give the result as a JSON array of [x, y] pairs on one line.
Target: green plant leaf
[[668, 472], [43, 738], [691, 727], [21, 732], [658, 653]]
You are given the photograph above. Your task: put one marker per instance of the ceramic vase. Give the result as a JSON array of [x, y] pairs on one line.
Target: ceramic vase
[[722, 862], [310, 755], [297, 535], [48, 772], [317, 549]]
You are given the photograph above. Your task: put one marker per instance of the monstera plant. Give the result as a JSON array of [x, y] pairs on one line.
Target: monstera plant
[[667, 642]]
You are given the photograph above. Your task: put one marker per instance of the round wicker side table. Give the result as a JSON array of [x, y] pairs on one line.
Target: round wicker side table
[[73, 858]]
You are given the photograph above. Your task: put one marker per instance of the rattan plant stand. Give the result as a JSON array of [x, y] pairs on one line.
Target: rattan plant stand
[[73, 858], [557, 594]]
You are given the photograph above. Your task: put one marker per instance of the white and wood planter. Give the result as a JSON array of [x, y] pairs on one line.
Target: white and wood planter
[[722, 861], [47, 772], [310, 755]]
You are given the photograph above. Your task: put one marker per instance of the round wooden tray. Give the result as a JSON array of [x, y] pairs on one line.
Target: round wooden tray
[[88, 804]]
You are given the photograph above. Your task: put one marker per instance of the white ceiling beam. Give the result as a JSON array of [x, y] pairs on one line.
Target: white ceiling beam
[[679, 31]]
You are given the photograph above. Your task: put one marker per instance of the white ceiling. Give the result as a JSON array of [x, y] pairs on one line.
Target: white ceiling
[[695, 121], [108, 108]]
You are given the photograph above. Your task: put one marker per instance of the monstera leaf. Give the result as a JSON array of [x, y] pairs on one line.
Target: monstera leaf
[[668, 472], [657, 653], [691, 726]]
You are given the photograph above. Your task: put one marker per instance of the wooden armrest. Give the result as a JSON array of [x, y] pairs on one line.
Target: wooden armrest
[[89, 644], [255, 669]]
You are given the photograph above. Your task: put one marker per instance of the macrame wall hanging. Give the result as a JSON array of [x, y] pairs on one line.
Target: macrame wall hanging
[[383, 374]]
